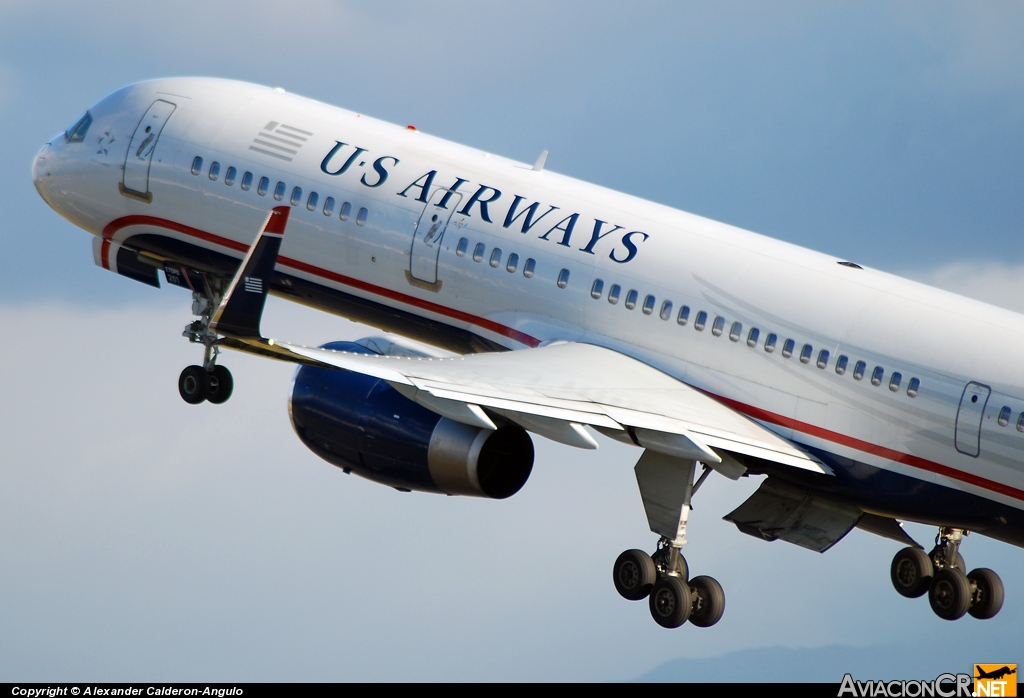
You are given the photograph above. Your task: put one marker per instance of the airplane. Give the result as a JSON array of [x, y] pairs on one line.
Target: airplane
[[518, 301]]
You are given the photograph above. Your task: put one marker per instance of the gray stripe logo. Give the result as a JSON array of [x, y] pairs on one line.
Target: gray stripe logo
[[280, 141]]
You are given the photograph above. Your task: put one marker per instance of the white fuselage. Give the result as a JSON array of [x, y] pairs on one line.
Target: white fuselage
[[945, 349]]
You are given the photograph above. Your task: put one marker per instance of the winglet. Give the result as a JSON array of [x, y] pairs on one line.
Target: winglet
[[240, 310]]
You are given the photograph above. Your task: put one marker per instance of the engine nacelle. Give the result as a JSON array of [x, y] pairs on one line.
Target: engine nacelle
[[364, 426]]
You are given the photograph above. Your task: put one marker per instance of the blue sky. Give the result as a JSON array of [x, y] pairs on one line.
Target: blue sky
[[146, 539]]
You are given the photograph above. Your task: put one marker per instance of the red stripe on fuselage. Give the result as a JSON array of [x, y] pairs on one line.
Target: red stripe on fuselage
[[114, 226]]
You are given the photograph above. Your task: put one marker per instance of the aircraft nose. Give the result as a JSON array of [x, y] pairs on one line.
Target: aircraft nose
[[40, 170]]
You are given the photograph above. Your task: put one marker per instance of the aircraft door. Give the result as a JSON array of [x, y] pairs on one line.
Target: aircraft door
[[140, 150], [969, 417], [426, 238]]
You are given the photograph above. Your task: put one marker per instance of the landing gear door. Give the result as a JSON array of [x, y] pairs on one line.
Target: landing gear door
[[969, 417], [427, 237], [140, 151]]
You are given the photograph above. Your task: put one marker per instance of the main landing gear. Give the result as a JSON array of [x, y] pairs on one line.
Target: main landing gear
[[942, 574], [666, 487], [210, 382]]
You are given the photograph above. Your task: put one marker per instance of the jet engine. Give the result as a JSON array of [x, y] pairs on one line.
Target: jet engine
[[364, 426]]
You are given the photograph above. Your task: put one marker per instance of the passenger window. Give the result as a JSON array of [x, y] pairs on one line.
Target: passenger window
[[296, 196], [858, 370], [229, 176], [328, 205], [597, 289], [752, 337], [666, 310], [894, 382], [700, 321], [788, 347], [279, 191], [822, 358], [262, 187], [461, 248], [531, 264], [915, 385], [769, 342], [495, 257], [631, 300], [563, 278], [1020, 422], [841, 363], [717, 326], [312, 201], [214, 170], [246, 184], [876, 375], [684, 315], [735, 331], [346, 211], [197, 165], [513, 262], [478, 252], [805, 354], [613, 294], [361, 216], [648, 306], [1004, 416]]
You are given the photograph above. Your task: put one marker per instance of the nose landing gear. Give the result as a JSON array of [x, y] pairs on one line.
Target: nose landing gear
[[210, 382]]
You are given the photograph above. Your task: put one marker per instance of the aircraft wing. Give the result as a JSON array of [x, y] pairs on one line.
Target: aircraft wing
[[552, 390]]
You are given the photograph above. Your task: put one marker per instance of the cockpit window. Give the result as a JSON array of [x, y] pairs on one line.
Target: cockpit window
[[76, 134]]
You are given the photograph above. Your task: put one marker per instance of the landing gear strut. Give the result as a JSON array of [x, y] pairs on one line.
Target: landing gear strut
[[211, 381], [941, 574], [663, 578]]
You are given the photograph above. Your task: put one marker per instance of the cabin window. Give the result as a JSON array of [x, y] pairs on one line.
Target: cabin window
[[346, 211], [262, 187], [876, 375], [788, 347], [279, 191], [246, 184], [805, 354], [461, 248], [613, 294], [214, 170], [822, 359], [841, 364], [769, 342], [717, 326], [328, 205], [735, 331], [858, 370], [197, 165], [495, 259], [1020, 422], [597, 289], [513, 262], [897, 378], [631, 299], [648, 306], [229, 176], [296, 196], [478, 252], [1004, 416], [666, 310], [563, 278], [700, 321], [312, 201], [684, 315], [361, 216], [529, 267], [915, 385]]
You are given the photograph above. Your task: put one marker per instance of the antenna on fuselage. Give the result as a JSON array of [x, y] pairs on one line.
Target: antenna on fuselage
[[539, 165]]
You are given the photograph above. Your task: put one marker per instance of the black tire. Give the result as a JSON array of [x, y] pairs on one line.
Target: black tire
[[661, 558], [911, 572], [634, 575], [221, 385], [949, 593], [670, 602], [987, 595], [958, 561], [194, 384], [708, 601]]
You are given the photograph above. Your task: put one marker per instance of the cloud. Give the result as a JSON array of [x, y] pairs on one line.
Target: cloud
[[994, 282]]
